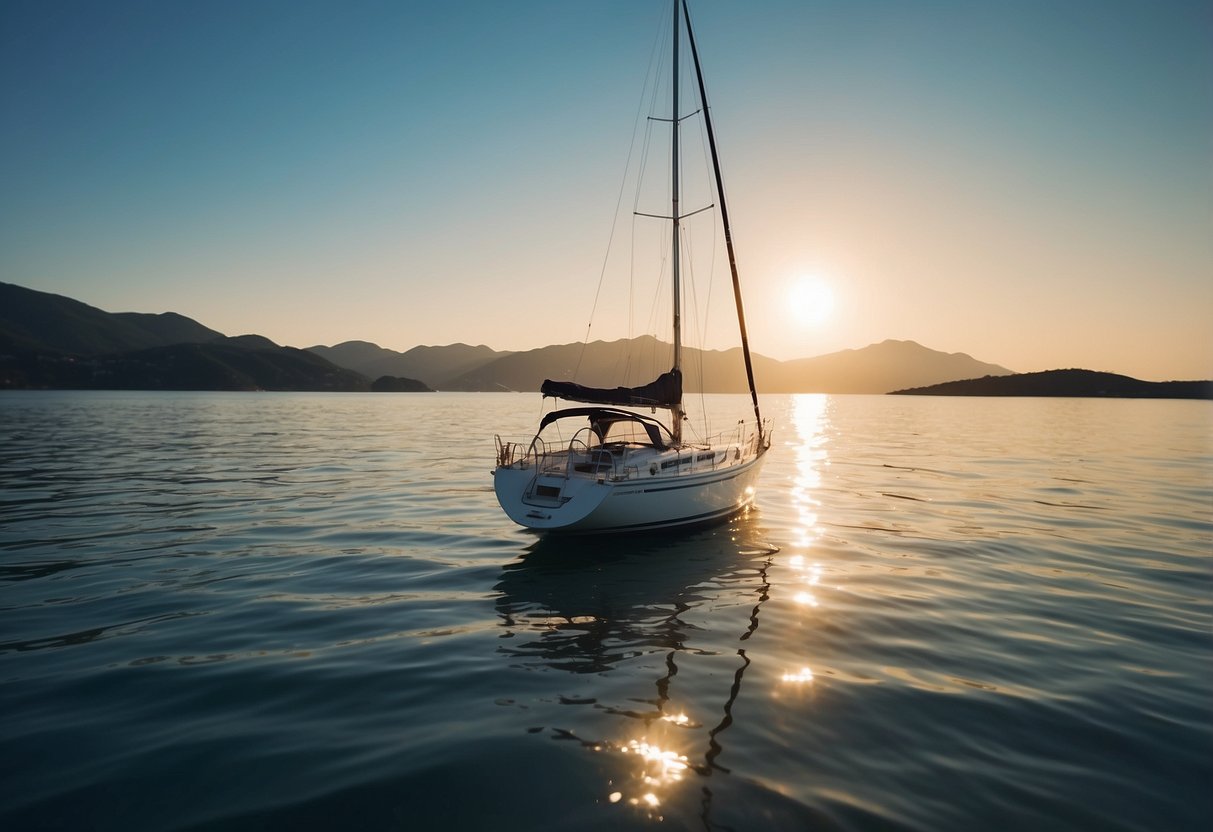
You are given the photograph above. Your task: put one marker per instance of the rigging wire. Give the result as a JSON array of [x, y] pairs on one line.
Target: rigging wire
[[700, 317], [642, 358], [703, 321], [654, 55]]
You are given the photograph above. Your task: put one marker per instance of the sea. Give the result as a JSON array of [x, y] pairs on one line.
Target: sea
[[279, 611]]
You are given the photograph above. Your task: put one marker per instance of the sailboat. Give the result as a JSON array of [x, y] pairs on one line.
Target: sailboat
[[623, 470]]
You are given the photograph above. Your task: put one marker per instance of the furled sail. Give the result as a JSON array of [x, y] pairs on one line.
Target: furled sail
[[666, 391]]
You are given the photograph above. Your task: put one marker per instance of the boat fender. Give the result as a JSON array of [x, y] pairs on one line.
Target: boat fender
[[737, 453], [653, 470]]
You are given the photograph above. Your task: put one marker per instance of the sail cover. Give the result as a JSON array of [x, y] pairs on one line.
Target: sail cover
[[666, 391]]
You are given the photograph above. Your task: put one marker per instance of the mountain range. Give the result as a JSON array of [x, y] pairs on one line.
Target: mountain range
[[50, 341], [874, 369]]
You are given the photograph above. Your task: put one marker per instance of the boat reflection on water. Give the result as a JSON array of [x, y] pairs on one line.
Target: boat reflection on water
[[627, 616], [670, 658]]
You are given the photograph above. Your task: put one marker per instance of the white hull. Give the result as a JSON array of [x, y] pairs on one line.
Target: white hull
[[588, 502]]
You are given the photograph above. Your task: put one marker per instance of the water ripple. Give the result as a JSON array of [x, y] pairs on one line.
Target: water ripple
[[304, 611]]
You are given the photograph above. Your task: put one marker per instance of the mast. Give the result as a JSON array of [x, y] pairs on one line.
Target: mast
[[724, 218], [676, 410]]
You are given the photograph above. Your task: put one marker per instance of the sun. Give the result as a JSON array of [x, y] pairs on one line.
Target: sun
[[810, 301]]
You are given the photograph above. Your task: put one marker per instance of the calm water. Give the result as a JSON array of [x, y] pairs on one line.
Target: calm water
[[274, 611]]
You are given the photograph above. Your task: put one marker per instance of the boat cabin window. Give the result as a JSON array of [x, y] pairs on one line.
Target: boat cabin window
[[628, 432], [607, 427]]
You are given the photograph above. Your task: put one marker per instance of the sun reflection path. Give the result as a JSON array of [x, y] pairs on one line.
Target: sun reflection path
[[799, 676], [658, 764], [807, 599], [808, 575], [662, 768], [659, 769], [809, 421]]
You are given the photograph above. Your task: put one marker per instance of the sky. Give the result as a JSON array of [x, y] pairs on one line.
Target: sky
[[1027, 182]]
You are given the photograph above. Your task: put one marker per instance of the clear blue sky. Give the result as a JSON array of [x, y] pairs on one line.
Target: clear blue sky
[[1028, 182]]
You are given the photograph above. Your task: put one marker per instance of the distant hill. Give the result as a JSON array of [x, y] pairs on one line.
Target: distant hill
[[361, 356], [436, 366], [392, 384], [1078, 383], [249, 342], [218, 366], [879, 368], [602, 363], [50, 341], [170, 327], [42, 321]]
